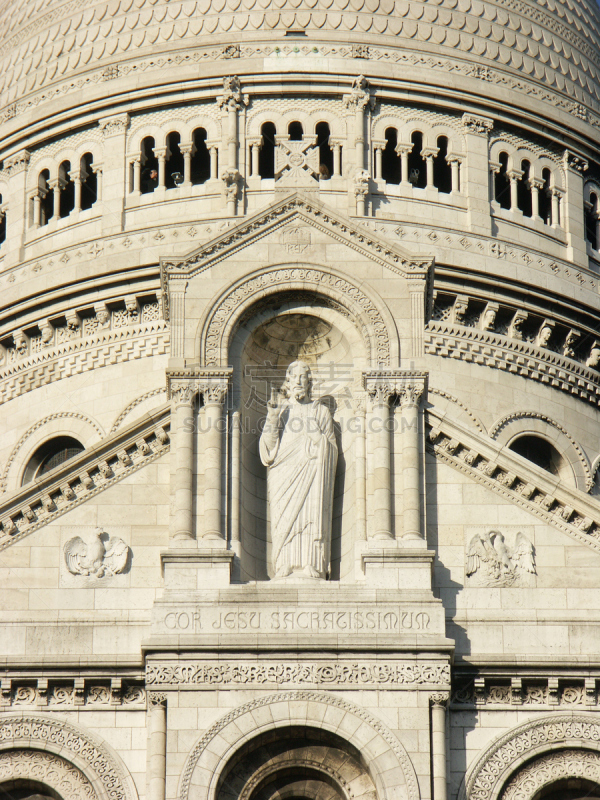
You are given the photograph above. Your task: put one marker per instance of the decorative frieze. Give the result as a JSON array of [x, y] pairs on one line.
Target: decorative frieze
[[532, 690], [354, 675], [92, 692]]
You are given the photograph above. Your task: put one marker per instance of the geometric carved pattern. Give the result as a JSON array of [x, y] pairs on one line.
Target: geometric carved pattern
[[85, 751], [494, 766], [308, 699], [550, 768], [48, 769]]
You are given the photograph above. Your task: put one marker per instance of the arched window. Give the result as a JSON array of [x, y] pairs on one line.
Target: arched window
[[325, 151], [524, 202], [2, 223], [390, 160], [592, 216], [26, 790], [89, 182], [149, 165], [46, 197], [502, 183], [51, 454], [174, 165], [442, 171], [539, 451], [545, 197], [295, 131], [417, 169], [266, 156], [67, 190], [200, 157], [570, 789]]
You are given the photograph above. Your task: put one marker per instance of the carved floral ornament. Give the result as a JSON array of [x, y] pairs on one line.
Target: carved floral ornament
[[369, 735], [212, 385], [82, 765], [408, 387], [503, 760]]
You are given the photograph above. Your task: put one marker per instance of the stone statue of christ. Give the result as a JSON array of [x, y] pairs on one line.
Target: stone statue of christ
[[298, 447]]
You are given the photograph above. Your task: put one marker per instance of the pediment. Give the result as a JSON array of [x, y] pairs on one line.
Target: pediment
[[294, 220]]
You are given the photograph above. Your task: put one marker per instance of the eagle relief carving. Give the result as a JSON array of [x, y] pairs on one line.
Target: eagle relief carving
[[492, 561], [95, 554]]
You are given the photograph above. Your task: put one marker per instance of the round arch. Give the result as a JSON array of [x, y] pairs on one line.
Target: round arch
[[380, 749], [508, 753], [366, 310], [551, 769], [531, 423], [96, 762]]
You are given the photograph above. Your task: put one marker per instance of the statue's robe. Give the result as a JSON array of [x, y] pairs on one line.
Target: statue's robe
[[300, 486]]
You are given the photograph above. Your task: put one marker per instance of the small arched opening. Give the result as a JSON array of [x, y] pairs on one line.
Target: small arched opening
[[545, 197], [524, 201], [149, 164], [442, 171], [295, 131], [417, 169], [46, 197], [592, 218], [540, 452], [50, 455], [325, 151], [200, 171], [67, 189], [2, 222], [390, 160], [502, 183], [266, 156], [174, 164], [89, 182]]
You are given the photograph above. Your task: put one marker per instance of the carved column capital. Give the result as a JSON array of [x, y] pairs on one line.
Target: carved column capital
[[439, 699], [17, 162], [157, 699], [183, 392], [410, 394], [480, 126], [409, 386], [111, 126], [359, 98], [213, 392], [232, 97], [575, 163]]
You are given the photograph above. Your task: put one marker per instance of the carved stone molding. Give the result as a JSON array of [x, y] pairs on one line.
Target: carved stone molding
[[152, 393], [357, 675], [500, 760], [299, 707], [553, 767], [409, 387], [98, 764], [112, 126], [481, 126], [97, 692], [212, 384], [536, 690], [17, 163], [48, 769], [225, 314]]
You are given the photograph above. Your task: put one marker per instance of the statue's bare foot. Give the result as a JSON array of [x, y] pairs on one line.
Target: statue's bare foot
[[283, 572], [310, 570]]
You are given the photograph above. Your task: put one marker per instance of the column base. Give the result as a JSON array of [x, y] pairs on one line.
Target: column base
[[195, 570]]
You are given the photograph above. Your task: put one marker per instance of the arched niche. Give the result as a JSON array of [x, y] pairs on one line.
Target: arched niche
[[274, 332], [565, 774], [290, 725]]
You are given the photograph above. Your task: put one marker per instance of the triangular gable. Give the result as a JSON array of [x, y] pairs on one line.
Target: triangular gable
[[314, 214]]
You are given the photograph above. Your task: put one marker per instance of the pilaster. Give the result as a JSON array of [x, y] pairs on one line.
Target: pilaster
[[476, 181], [114, 173]]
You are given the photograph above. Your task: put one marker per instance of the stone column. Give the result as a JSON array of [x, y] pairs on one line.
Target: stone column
[[37, 209], [403, 151], [359, 101], [455, 168], [214, 393], [137, 174], [255, 145], [379, 148], [575, 168], [56, 186], [476, 185], [536, 185], [438, 744], [182, 395], [410, 397], [186, 150], [161, 155], [514, 176], [429, 154], [76, 178], [16, 220], [236, 442], [360, 461], [557, 196], [112, 175], [232, 101], [157, 745], [337, 158], [378, 431], [214, 161], [98, 171]]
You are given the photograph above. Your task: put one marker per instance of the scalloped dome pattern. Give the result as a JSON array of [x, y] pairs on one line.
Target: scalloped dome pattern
[[556, 43]]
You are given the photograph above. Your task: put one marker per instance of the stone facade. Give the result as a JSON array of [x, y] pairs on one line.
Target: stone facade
[[404, 198]]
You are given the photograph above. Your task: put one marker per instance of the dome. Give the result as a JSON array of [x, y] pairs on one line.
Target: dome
[[53, 50]]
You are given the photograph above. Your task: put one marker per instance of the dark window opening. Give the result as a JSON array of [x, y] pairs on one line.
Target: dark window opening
[[325, 150], [502, 183], [442, 171], [200, 157], [149, 165], [390, 160], [295, 131], [539, 451], [67, 190], [266, 156], [50, 455], [89, 182], [545, 197], [174, 165], [569, 789], [591, 221], [524, 202], [417, 169], [27, 790], [46, 197], [2, 223]]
